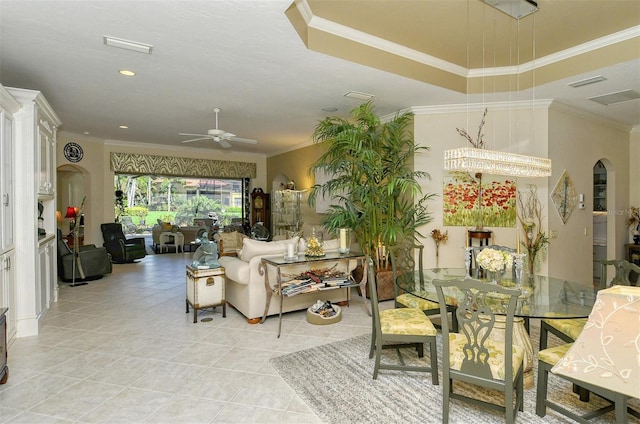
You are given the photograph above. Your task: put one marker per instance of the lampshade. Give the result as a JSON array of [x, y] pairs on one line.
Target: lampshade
[[71, 212], [58, 216], [607, 353], [473, 160]]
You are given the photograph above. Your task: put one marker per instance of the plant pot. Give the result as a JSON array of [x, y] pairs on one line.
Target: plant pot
[[384, 283]]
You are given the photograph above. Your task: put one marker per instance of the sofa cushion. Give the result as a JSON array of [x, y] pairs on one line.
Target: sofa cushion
[[252, 248]]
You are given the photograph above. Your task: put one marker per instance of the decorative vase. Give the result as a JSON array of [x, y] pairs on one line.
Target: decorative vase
[[495, 276], [315, 247], [344, 237]]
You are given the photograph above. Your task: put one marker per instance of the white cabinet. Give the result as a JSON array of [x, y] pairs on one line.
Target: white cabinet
[[8, 291], [46, 157], [35, 126], [46, 291], [8, 107]]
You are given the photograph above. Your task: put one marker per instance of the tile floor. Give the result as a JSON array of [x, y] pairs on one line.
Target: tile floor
[[123, 350]]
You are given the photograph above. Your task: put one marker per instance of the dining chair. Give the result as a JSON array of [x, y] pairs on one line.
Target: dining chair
[[403, 327], [477, 354], [569, 329], [608, 369], [403, 263]]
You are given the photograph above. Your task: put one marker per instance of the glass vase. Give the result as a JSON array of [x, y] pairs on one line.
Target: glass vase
[[495, 276], [315, 247]]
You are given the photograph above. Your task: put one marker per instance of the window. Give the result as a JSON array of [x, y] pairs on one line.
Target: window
[[148, 198]]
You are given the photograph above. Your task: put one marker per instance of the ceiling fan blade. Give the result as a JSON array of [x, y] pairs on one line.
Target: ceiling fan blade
[[227, 135], [195, 135], [196, 139], [224, 143], [244, 140]]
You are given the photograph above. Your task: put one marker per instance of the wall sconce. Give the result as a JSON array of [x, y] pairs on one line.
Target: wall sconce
[[581, 201]]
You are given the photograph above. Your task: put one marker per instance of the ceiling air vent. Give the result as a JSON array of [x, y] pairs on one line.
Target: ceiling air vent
[[587, 81], [617, 97], [358, 95]]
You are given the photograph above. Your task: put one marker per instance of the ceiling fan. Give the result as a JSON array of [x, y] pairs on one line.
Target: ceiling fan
[[218, 135]]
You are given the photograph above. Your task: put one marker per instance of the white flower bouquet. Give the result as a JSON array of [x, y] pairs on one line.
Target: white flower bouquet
[[493, 260]]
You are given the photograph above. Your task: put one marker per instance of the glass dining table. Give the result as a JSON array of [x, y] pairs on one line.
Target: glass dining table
[[542, 297]]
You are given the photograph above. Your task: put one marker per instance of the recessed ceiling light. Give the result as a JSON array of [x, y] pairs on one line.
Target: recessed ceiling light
[[329, 109], [133, 46], [124, 127], [126, 72], [358, 95], [87, 133], [587, 81]]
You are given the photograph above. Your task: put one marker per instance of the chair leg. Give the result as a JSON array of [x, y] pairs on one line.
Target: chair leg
[[377, 364], [446, 391], [509, 413], [544, 335], [373, 344], [541, 389], [433, 351]]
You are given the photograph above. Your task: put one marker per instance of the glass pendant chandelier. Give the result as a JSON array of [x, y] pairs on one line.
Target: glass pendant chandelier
[[476, 159], [472, 160]]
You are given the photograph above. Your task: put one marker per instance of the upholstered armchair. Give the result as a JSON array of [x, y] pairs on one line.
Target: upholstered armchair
[[119, 247], [93, 262]]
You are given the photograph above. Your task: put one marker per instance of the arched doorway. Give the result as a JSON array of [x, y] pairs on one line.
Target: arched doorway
[[71, 188]]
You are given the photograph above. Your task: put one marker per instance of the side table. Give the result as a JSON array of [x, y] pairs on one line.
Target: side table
[[167, 237], [205, 289]]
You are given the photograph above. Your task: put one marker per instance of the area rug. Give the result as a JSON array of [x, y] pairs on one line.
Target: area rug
[[335, 380]]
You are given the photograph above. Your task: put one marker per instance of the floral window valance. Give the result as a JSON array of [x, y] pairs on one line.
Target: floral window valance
[[130, 163]]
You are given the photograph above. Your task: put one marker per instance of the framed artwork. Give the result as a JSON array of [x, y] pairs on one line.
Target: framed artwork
[[460, 200], [564, 196]]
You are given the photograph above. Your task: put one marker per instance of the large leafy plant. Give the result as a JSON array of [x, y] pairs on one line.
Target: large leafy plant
[[372, 180]]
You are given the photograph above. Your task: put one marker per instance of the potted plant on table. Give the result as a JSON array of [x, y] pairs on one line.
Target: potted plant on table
[[377, 192]]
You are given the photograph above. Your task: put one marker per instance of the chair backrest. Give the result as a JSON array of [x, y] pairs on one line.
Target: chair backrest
[[478, 305], [623, 275], [112, 231], [403, 261]]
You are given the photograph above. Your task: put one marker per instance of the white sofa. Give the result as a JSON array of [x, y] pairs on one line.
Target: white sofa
[[245, 289]]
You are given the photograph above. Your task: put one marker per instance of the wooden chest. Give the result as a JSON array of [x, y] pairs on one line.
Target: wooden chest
[[205, 289]]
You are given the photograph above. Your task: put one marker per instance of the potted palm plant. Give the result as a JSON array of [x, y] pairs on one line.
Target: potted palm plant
[[377, 192]]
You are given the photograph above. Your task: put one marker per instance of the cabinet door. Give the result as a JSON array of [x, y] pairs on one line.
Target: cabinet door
[[46, 157], [6, 181], [8, 290]]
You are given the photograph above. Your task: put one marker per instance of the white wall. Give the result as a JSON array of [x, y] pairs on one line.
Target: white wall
[[576, 142], [514, 128]]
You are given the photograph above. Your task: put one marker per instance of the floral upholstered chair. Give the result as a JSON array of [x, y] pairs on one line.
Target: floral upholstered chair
[[403, 326], [477, 355]]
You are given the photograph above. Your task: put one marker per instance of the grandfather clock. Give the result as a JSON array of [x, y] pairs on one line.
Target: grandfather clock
[[260, 211]]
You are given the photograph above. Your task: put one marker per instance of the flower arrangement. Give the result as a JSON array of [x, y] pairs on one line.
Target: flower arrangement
[[493, 260], [633, 221], [529, 214], [439, 238]]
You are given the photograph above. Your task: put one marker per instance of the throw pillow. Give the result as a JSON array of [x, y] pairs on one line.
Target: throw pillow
[[252, 248]]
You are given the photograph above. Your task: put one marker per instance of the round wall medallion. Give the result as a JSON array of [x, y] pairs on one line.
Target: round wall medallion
[[73, 152]]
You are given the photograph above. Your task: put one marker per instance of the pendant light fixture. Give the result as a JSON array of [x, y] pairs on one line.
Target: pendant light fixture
[[479, 160]]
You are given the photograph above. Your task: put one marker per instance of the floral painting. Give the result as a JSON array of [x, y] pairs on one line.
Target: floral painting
[[498, 200]]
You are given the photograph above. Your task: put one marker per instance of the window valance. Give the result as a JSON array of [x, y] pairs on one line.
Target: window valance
[[130, 163]]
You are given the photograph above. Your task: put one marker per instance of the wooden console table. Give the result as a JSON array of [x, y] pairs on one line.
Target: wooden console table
[[278, 262]]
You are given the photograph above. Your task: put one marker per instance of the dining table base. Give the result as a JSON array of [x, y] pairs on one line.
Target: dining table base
[[520, 338]]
